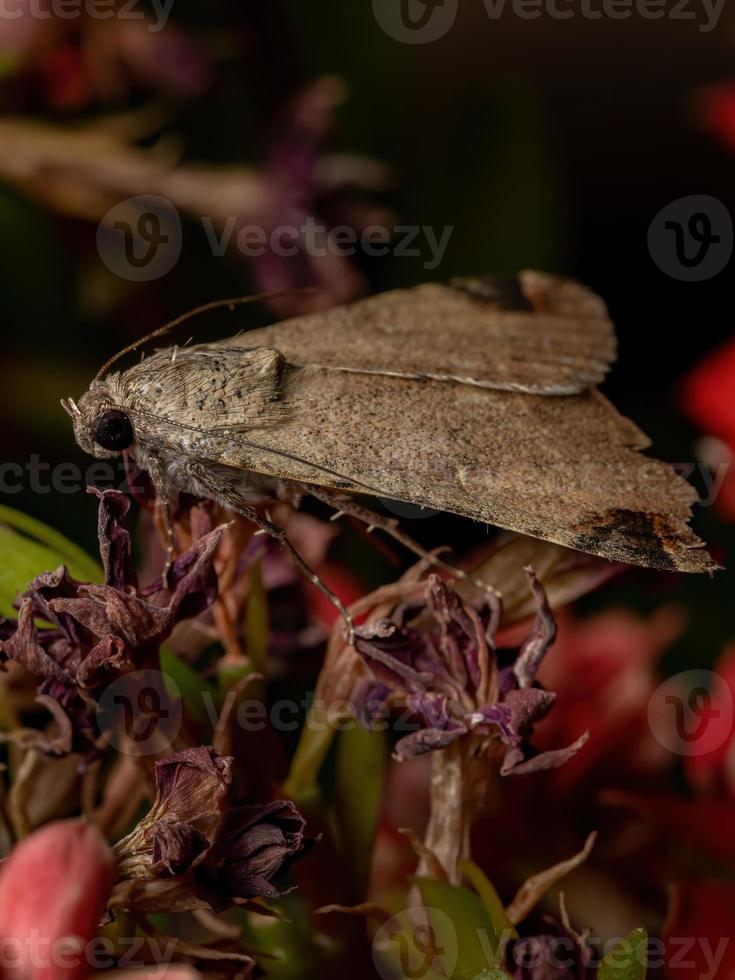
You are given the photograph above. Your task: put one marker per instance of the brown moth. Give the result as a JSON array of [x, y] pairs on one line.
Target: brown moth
[[476, 398]]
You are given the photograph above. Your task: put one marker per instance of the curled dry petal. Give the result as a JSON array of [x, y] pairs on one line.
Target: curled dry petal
[[54, 887], [192, 785], [191, 796], [540, 639], [24, 647], [426, 740], [532, 891], [59, 744], [116, 548], [176, 846], [553, 759]]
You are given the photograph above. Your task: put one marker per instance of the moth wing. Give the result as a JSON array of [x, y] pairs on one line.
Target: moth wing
[[534, 333], [205, 387], [567, 470]]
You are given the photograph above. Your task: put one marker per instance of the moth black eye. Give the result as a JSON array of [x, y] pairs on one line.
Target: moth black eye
[[113, 430]]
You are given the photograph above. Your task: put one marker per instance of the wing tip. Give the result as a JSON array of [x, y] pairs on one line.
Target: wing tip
[[648, 539]]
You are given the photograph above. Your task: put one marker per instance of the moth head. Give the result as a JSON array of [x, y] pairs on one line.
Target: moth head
[[102, 427]]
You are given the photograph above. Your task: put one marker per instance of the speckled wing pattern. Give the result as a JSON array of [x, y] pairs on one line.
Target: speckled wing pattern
[[476, 398]]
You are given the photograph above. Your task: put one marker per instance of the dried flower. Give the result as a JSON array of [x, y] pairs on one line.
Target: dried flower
[[99, 632], [254, 845], [190, 851], [191, 796], [437, 656], [448, 675]]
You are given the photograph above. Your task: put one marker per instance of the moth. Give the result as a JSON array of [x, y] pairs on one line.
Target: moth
[[477, 397]]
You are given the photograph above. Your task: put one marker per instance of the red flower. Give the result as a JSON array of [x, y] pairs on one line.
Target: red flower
[[713, 774], [715, 111], [707, 399], [604, 670], [697, 934]]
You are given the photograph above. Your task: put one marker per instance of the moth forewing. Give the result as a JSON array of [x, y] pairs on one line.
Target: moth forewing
[[537, 334], [475, 398], [207, 387]]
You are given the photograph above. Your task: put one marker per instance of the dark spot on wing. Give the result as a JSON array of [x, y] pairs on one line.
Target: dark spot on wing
[[640, 537], [503, 292]]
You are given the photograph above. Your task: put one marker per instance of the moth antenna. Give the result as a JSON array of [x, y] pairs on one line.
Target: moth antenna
[[204, 308]]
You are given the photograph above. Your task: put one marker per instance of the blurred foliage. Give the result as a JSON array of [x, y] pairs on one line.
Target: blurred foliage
[[28, 546]]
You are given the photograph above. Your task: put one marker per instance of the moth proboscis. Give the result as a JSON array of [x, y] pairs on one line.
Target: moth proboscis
[[477, 397]]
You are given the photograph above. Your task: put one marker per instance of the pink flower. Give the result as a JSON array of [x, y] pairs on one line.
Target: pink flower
[[53, 892]]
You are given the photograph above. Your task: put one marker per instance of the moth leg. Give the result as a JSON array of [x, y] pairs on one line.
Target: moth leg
[[163, 506], [231, 499], [345, 504]]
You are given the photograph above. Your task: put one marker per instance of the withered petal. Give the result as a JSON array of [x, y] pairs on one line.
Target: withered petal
[[114, 540], [176, 846], [540, 639], [426, 740], [24, 647], [544, 760]]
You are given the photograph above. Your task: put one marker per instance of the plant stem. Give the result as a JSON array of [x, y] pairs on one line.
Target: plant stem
[[459, 779]]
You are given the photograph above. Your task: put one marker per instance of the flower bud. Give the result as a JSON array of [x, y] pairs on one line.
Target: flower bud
[[53, 890]]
